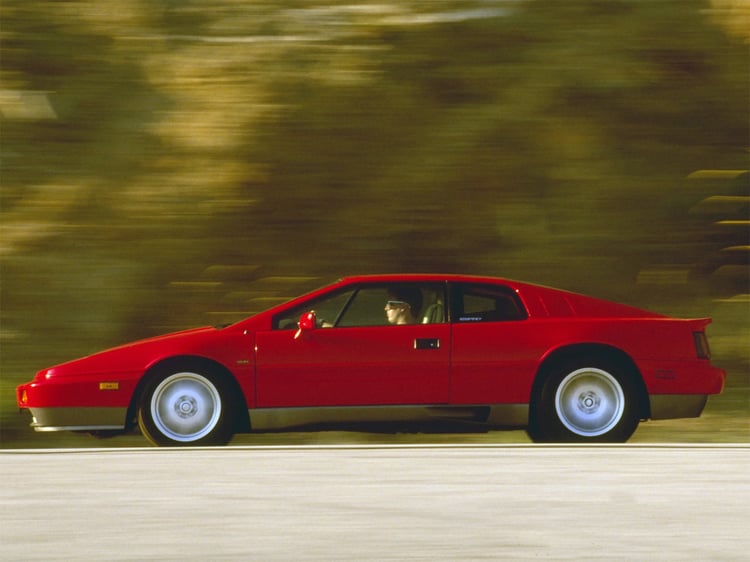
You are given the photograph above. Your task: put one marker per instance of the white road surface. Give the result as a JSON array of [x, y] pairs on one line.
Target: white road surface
[[382, 503]]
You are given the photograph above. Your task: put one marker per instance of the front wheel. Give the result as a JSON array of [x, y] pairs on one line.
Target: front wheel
[[185, 408], [586, 403]]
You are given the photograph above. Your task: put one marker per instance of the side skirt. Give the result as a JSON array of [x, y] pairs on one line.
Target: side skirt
[[390, 418]]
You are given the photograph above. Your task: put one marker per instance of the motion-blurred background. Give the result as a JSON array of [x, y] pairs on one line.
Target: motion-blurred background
[[174, 163]]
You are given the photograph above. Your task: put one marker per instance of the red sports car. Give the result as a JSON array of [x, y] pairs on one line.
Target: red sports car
[[394, 352]]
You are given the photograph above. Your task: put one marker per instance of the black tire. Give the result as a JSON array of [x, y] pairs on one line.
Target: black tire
[[185, 408], [591, 401]]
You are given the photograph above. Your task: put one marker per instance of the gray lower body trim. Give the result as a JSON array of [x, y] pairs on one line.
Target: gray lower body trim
[[508, 415], [78, 419], [480, 416], [670, 406]]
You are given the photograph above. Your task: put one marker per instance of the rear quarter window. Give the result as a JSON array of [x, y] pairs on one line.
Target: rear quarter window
[[486, 303]]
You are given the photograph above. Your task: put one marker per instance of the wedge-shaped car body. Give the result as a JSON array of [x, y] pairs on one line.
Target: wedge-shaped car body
[[395, 352]]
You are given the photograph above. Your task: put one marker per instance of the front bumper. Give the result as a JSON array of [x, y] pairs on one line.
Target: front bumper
[[78, 419], [83, 403]]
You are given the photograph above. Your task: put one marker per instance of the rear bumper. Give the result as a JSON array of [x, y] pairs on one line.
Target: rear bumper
[[682, 377], [670, 406], [77, 419], [681, 389]]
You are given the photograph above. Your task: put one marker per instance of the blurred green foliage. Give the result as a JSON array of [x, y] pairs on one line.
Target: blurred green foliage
[[167, 164]]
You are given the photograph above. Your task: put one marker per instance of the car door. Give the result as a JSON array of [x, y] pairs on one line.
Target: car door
[[360, 360], [495, 347]]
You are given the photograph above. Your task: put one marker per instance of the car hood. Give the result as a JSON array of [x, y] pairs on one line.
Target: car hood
[[136, 355]]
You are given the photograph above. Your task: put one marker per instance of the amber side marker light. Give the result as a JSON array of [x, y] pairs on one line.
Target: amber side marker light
[[24, 397], [109, 386], [701, 345]]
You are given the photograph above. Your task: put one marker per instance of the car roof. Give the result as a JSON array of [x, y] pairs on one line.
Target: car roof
[[435, 277], [444, 277]]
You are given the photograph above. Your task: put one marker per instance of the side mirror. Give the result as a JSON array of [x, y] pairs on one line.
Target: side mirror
[[308, 321]]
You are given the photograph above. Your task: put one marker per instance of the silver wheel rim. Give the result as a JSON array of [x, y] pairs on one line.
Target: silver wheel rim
[[185, 407], [589, 402]]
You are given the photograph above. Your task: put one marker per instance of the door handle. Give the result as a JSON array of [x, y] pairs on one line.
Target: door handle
[[426, 343]]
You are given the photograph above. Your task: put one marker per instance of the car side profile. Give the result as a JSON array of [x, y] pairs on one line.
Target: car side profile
[[394, 352]]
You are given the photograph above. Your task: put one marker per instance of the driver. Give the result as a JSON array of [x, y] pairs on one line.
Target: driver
[[404, 305]]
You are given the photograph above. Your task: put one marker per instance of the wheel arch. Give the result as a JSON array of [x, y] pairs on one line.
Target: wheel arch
[[241, 422], [591, 352]]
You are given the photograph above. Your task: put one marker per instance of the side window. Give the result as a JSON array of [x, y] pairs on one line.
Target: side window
[[394, 304], [486, 303], [327, 308], [366, 309]]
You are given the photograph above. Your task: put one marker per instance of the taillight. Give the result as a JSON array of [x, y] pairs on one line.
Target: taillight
[[701, 345]]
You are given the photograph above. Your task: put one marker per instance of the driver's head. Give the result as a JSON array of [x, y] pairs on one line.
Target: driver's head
[[405, 299]]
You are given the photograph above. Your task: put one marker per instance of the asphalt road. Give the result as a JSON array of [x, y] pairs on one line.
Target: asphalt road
[[630, 502]]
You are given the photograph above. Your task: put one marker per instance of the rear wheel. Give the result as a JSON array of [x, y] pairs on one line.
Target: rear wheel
[[185, 408], [585, 402]]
